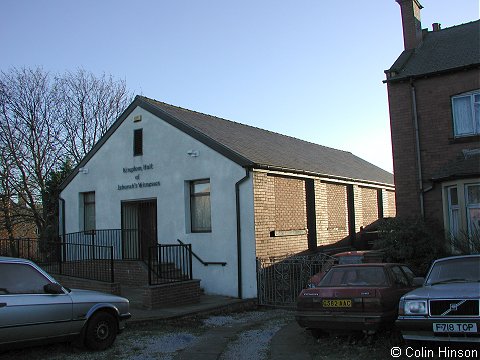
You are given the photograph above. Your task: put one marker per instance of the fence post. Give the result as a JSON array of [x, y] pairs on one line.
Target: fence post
[[112, 270], [190, 261], [150, 266], [59, 256]]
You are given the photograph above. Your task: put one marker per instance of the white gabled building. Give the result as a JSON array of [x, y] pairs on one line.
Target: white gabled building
[[223, 187]]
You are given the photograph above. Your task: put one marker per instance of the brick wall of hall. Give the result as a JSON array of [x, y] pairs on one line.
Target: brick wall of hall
[[280, 206], [389, 209], [331, 212]]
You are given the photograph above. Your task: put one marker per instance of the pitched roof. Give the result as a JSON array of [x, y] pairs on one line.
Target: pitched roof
[[444, 50], [253, 147], [266, 149]]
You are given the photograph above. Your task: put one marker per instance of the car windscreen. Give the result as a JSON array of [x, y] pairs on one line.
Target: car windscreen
[[354, 276], [455, 270]]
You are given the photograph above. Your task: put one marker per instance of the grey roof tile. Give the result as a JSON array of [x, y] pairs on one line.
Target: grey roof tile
[[444, 50], [269, 149]]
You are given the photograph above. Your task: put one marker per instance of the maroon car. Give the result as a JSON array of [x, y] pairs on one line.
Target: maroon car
[[355, 297], [348, 257]]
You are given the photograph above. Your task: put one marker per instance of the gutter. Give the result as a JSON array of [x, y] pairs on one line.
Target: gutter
[[239, 231], [326, 176], [400, 78]]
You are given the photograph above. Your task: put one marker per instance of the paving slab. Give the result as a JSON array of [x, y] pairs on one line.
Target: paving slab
[[207, 303], [289, 343]]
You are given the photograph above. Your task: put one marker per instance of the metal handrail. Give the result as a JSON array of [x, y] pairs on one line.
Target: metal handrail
[[204, 263], [169, 263]]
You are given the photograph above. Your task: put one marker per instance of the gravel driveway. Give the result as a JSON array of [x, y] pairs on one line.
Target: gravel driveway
[[253, 335], [236, 336]]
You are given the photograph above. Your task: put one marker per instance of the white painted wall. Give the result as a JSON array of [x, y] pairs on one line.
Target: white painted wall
[[166, 148]]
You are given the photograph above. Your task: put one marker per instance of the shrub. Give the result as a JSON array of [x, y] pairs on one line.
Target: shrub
[[413, 242], [466, 243]]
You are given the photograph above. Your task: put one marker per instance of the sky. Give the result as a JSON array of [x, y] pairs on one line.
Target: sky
[[311, 69]]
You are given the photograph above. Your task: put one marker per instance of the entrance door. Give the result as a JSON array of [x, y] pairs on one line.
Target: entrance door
[[139, 228]]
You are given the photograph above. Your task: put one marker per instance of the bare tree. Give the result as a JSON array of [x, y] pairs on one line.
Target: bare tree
[[90, 105], [44, 121], [29, 133]]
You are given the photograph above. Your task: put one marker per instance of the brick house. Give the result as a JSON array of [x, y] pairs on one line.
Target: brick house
[[234, 192], [434, 100]]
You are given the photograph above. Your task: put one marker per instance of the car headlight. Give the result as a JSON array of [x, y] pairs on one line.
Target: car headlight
[[415, 307]]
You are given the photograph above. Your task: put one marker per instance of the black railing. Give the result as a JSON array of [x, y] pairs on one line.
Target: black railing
[[126, 242], [169, 263], [93, 262]]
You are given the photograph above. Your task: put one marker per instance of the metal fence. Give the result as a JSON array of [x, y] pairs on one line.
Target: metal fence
[[93, 262], [169, 263], [106, 237], [281, 279]]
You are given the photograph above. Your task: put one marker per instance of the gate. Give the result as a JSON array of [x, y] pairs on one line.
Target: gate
[[281, 279]]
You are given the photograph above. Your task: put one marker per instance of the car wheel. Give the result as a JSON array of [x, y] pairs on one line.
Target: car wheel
[[101, 331]]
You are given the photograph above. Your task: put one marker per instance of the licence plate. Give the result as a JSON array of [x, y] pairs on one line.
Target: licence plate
[[341, 303], [454, 327]]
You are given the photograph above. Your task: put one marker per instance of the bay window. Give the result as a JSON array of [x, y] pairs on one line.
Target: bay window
[[463, 209]]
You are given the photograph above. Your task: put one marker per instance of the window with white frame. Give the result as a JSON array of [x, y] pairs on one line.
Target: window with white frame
[[200, 207], [463, 206], [453, 211], [466, 114], [473, 209]]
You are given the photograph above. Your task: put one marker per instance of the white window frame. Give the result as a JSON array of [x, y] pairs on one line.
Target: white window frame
[[463, 206], [453, 212], [474, 97], [192, 198], [472, 228]]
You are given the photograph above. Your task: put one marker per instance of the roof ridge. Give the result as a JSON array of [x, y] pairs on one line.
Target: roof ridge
[[454, 26], [246, 125]]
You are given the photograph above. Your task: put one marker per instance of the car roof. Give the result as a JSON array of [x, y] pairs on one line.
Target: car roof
[[6, 258], [458, 257], [367, 265], [356, 253]]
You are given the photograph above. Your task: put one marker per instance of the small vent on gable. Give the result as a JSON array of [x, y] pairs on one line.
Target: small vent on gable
[[137, 118]]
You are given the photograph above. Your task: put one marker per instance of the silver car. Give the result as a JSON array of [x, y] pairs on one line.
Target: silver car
[[447, 307], [34, 307]]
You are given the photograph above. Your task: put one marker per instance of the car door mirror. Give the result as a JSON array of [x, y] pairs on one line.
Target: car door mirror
[[53, 288], [418, 281]]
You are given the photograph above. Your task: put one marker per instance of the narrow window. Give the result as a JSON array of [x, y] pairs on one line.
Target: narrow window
[[200, 210], [89, 211], [453, 211], [466, 114], [137, 142]]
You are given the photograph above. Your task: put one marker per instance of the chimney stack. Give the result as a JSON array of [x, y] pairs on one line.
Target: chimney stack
[[436, 26], [412, 26]]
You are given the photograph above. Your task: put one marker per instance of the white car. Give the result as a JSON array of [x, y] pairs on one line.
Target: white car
[[34, 307], [447, 307]]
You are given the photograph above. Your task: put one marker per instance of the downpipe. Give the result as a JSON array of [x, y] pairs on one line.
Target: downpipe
[[417, 148], [239, 231]]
